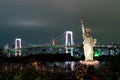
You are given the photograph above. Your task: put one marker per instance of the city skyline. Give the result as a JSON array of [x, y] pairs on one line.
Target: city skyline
[[38, 21]]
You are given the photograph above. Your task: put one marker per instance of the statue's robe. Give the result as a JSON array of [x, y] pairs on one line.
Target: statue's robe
[[88, 45]]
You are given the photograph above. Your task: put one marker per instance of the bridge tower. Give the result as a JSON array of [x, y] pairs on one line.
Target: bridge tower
[[53, 42], [68, 43], [18, 46], [69, 38]]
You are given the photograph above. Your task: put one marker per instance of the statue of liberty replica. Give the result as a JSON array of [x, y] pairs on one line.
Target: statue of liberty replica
[[88, 43], [88, 46]]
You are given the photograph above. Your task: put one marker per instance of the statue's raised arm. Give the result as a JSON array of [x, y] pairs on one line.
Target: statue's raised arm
[[82, 26], [83, 29]]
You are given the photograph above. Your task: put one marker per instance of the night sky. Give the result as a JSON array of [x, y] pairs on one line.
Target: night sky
[[38, 21]]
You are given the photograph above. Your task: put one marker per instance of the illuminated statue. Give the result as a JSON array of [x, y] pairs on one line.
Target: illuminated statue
[[88, 43]]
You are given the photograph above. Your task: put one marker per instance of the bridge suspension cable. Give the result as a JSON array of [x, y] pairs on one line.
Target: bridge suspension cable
[[76, 39], [60, 39]]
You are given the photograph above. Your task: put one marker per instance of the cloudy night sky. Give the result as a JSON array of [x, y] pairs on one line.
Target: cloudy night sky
[[38, 21]]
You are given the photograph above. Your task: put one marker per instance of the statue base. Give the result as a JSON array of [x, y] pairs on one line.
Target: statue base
[[89, 63]]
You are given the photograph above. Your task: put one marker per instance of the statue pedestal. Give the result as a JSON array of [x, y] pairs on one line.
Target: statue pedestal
[[89, 63]]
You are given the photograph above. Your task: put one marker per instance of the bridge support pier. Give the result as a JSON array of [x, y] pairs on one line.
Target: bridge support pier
[[69, 50], [17, 52]]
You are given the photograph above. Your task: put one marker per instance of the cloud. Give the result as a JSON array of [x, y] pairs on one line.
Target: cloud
[[28, 23]]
